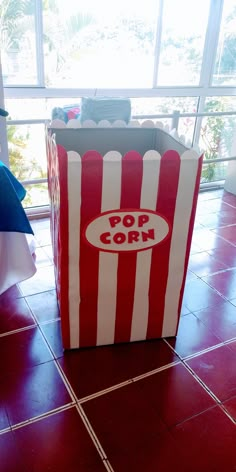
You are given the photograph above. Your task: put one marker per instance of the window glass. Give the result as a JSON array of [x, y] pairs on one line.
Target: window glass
[[27, 156], [17, 40], [167, 105], [99, 44], [217, 134], [183, 37], [225, 65], [37, 195]]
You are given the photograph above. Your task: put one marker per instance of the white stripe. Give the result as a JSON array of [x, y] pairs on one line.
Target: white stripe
[[183, 209], [108, 262], [150, 181], [74, 202]]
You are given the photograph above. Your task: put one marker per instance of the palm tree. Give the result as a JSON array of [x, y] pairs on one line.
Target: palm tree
[[11, 12]]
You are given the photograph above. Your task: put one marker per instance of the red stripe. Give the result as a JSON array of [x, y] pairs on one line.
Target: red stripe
[[63, 236], [190, 231], [132, 171], [91, 195], [166, 201]]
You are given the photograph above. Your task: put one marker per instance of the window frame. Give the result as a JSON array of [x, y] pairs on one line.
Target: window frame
[[206, 75], [202, 91]]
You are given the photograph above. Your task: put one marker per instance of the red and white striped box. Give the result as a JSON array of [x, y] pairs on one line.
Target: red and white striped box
[[121, 232]]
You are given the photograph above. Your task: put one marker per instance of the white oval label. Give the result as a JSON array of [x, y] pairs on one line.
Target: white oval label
[[126, 230]]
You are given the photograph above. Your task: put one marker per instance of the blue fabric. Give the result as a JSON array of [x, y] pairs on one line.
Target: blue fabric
[[110, 109], [12, 214]]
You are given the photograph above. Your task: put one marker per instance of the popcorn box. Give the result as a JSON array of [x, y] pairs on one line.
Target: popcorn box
[[123, 203]]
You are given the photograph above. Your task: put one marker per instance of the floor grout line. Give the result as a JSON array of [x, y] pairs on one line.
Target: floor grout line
[[196, 354], [47, 322], [59, 369], [18, 330], [225, 411], [5, 430], [104, 392], [37, 418], [127, 382], [94, 438], [230, 341], [66, 381], [204, 351], [203, 385]]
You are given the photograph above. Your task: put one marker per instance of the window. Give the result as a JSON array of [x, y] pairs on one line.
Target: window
[[18, 42], [163, 54], [225, 65], [216, 136], [99, 44], [184, 26], [27, 158]]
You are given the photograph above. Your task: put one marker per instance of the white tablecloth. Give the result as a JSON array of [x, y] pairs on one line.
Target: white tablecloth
[[16, 261]]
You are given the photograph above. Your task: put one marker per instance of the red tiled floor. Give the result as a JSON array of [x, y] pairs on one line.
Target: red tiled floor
[[22, 350], [216, 220], [42, 236], [160, 453], [11, 458], [124, 417], [195, 248], [213, 206], [52, 333], [45, 308], [131, 419], [42, 281], [192, 336], [204, 264], [58, 443], [162, 392], [174, 404], [232, 345], [14, 314], [208, 441], [209, 240], [48, 251], [224, 283], [11, 294], [230, 406], [233, 301], [131, 431], [229, 198], [41, 258], [199, 295], [227, 255], [228, 232], [210, 195], [163, 422], [220, 319], [184, 310], [191, 276], [95, 369], [217, 369], [32, 392], [4, 422]]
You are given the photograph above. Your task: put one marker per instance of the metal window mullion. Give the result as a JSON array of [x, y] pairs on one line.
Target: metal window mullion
[[221, 159], [44, 93], [198, 124], [41, 121], [4, 156], [39, 42], [158, 43], [211, 42], [34, 181]]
